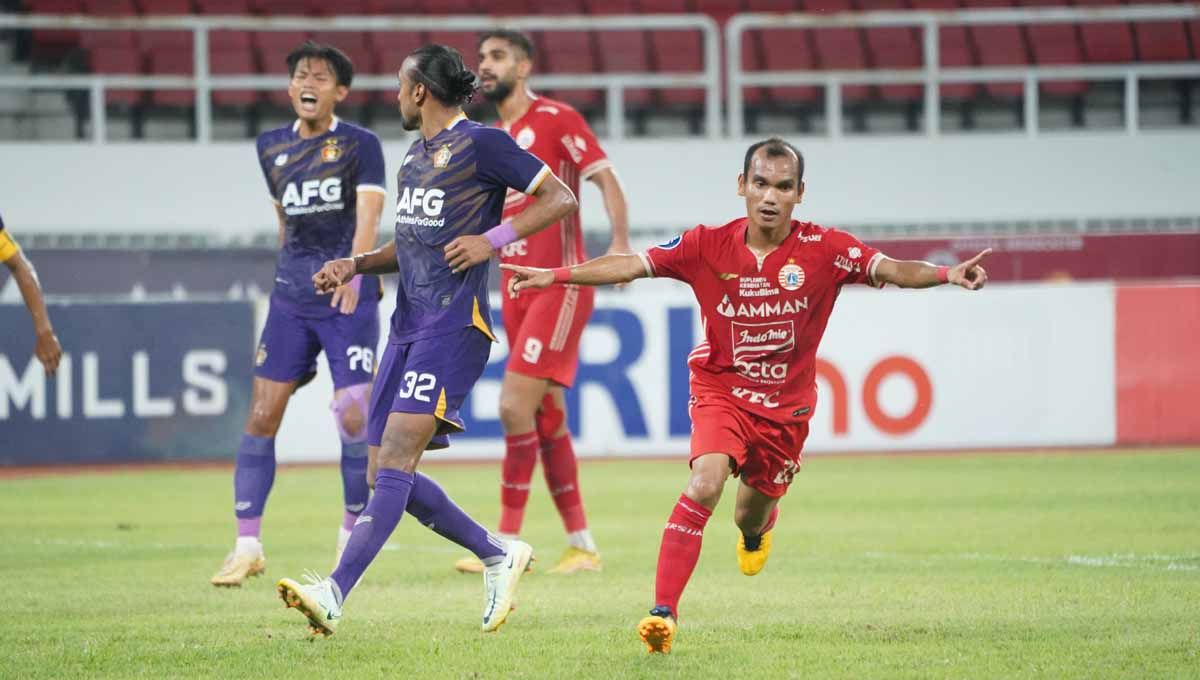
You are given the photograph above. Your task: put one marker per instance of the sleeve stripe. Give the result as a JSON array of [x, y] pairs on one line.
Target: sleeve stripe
[[645, 258], [602, 164], [538, 179], [871, 267], [371, 187]]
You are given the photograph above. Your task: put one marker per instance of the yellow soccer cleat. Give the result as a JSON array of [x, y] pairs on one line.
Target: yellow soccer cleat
[[469, 565], [657, 630], [752, 561], [237, 568], [575, 560]]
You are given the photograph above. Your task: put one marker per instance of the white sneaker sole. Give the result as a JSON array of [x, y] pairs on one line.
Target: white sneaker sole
[[294, 598]]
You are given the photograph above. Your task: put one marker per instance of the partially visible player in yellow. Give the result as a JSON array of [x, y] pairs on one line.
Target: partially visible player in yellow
[[47, 348]]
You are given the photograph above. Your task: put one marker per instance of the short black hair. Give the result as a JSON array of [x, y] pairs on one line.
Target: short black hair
[[342, 67], [515, 38], [441, 69], [775, 146]]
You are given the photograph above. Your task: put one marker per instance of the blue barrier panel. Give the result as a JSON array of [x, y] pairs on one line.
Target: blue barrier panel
[[138, 382]]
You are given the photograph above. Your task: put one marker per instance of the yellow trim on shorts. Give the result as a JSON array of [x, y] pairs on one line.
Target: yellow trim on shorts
[[439, 411], [478, 321], [8, 247]]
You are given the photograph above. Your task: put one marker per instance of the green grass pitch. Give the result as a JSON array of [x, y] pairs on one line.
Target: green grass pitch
[[985, 566]]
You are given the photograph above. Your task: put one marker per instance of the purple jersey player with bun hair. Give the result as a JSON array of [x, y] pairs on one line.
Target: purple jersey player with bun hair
[[452, 184], [326, 179]]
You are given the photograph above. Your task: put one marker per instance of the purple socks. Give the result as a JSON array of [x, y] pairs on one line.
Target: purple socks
[[252, 479], [433, 508], [374, 526]]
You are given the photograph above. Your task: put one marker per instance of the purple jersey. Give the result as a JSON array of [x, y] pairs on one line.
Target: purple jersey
[[452, 185], [316, 182]]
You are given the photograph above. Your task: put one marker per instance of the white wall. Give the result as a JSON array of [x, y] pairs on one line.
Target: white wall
[[671, 184]]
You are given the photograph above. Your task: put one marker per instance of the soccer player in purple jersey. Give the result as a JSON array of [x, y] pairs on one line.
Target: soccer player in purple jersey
[[46, 347], [326, 179], [452, 185]]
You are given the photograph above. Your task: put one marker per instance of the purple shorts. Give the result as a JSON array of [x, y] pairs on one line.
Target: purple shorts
[[431, 376], [290, 344]]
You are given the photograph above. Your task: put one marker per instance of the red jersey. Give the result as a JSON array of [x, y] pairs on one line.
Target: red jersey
[[561, 138], [763, 319]]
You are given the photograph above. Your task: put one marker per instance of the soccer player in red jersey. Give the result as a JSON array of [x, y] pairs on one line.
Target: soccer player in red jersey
[[766, 285], [544, 328]]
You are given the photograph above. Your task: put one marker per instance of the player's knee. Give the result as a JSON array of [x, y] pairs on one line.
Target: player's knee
[[749, 520], [261, 422], [350, 408], [515, 415], [705, 490]]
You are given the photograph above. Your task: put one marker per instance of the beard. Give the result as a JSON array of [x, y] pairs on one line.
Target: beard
[[498, 93], [410, 124]]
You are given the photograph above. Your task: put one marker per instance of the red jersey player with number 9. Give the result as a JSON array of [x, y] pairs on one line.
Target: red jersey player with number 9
[[766, 285]]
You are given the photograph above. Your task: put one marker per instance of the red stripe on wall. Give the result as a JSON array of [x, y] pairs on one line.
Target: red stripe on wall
[[1158, 364]]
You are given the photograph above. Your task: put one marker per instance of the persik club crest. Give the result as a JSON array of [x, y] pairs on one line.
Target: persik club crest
[[791, 276], [261, 357], [332, 151], [442, 158]]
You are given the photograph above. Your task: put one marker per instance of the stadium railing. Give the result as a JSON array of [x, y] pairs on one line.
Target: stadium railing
[[203, 82], [932, 75]]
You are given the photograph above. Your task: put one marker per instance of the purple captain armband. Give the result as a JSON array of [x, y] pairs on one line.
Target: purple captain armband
[[501, 235]]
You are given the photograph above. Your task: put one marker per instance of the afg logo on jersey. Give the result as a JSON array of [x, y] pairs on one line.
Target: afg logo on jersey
[[428, 201], [312, 196], [791, 276]]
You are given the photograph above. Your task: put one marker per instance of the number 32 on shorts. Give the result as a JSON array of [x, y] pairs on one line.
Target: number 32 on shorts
[[419, 386]]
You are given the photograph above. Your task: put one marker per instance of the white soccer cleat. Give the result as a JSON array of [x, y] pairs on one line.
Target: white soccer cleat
[[315, 599], [500, 584]]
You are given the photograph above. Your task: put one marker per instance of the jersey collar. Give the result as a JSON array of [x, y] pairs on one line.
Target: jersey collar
[[455, 121], [332, 125]]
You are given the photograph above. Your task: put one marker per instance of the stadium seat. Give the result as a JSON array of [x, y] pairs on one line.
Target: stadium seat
[[538, 7], [277, 7], [171, 61], [752, 60], [117, 60], [453, 7], [772, 5], [720, 10], [1160, 40], [625, 52], [238, 62], [463, 41], [166, 7], [394, 6], [53, 45], [896, 47], [512, 7], [678, 52], [110, 8], [219, 41], [571, 52], [93, 39], [1106, 43], [839, 48], [323, 8], [663, 6], [788, 49], [1055, 44], [1000, 45], [391, 49], [954, 49], [222, 6]]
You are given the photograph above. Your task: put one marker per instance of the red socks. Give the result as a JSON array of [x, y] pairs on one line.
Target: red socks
[[562, 478], [520, 455], [680, 551]]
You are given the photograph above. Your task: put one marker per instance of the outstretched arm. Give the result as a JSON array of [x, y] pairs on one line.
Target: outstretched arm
[[46, 348], [617, 209], [601, 271], [552, 201], [916, 274], [368, 207]]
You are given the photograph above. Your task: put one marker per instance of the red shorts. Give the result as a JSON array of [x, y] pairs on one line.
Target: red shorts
[[766, 454], [544, 328]]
